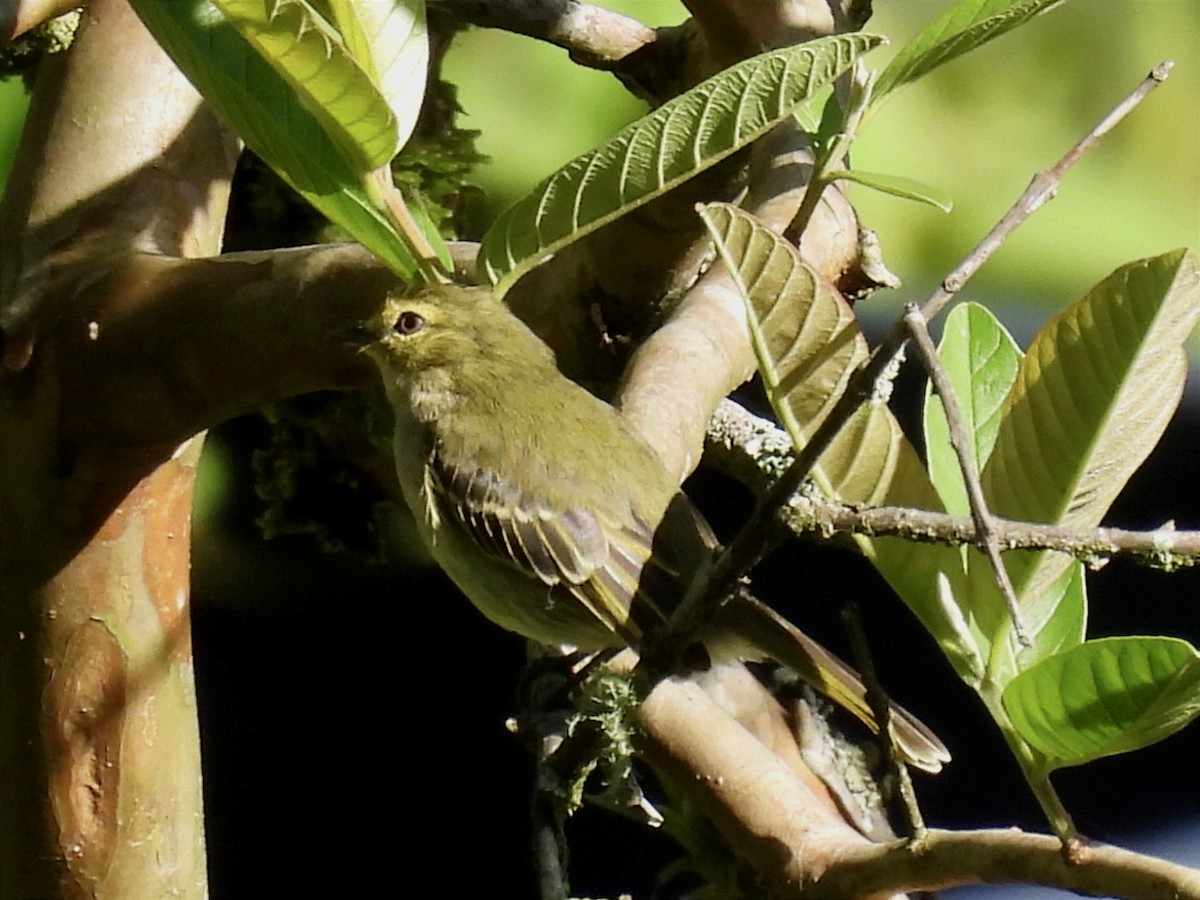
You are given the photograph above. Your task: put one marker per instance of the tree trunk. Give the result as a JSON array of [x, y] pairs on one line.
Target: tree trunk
[[99, 742]]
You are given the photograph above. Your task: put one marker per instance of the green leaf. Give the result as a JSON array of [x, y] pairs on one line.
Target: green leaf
[[268, 115], [1104, 697], [312, 58], [899, 186], [966, 25], [1095, 391], [981, 359], [808, 345], [389, 40], [1058, 620], [649, 157], [812, 116]]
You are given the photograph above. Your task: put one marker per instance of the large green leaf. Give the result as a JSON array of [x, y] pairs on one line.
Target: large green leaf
[[389, 40], [1094, 393], [269, 116], [808, 345], [981, 359], [650, 156], [312, 58], [1104, 697], [966, 25]]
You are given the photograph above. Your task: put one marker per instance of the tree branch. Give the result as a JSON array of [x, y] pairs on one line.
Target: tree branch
[[97, 700], [765, 808], [732, 26], [805, 850], [946, 859], [594, 36]]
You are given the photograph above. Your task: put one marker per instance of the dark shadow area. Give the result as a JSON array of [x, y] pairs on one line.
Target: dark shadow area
[[353, 715]]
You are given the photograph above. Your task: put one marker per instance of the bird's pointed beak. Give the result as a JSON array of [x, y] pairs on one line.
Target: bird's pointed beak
[[358, 335]]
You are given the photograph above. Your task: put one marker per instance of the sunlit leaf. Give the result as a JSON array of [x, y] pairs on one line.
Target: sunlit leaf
[[966, 25], [1104, 697], [1057, 619], [313, 59], [808, 344], [1054, 618], [264, 110], [649, 157], [1095, 391], [389, 40]]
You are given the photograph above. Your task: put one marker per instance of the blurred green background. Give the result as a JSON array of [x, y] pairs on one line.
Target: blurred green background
[[979, 128], [13, 103]]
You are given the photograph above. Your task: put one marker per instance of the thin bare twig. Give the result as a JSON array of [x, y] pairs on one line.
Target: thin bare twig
[[756, 451], [881, 709], [985, 532], [1043, 188], [744, 551]]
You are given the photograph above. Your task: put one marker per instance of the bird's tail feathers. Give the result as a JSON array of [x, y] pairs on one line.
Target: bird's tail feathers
[[761, 633]]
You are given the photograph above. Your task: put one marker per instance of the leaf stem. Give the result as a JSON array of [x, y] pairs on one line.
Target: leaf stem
[[388, 199], [1060, 820], [827, 166]]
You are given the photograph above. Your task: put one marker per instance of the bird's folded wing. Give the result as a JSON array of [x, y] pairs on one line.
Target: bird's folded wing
[[611, 569], [600, 562]]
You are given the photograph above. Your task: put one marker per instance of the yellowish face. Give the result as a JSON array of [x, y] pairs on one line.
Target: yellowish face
[[449, 326], [427, 330]]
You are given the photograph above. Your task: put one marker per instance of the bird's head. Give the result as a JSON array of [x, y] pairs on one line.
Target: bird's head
[[427, 329], [449, 331]]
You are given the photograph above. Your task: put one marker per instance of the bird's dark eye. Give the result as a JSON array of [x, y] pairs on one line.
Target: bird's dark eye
[[409, 322]]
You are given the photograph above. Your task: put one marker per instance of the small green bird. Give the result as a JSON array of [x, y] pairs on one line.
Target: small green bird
[[554, 518]]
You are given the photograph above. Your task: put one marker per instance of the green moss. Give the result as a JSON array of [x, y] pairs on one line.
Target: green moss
[[21, 56]]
